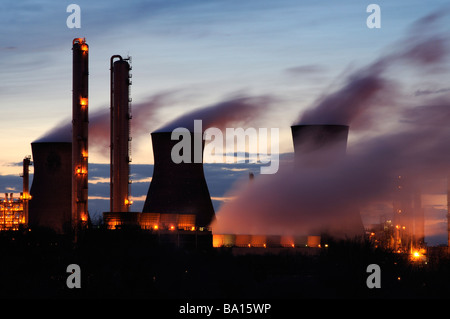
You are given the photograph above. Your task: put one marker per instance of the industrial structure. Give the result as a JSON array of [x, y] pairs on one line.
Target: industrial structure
[[178, 195], [319, 145], [120, 135], [80, 124], [51, 191], [178, 207], [448, 212], [408, 216], [12, 215], [26, 188]]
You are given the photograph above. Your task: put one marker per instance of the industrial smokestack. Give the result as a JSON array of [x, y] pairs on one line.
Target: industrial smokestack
[[50, 203], [120, 135], [80, 122], [25, 190], [448, 211], [319, 144], [177, 189]]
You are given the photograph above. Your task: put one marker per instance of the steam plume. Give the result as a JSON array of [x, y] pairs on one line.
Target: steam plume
[[310, 199], [236, 111]]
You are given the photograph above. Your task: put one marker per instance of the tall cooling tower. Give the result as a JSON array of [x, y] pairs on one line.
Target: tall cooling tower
[[319, 146], [178, 188], [51, 189]]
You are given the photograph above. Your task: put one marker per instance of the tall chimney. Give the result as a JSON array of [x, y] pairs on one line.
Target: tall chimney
[[80, 120], [50, 203], [120, 135], [178, 189], [25, 190], [448, 210]]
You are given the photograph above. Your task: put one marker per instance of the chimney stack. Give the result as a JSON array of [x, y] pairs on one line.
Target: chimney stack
[[25, 190], [120, 135], [80, 120]]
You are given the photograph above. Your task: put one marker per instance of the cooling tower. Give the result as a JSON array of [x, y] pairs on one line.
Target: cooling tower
[[50, 204], [120, 135], [316, 145], [178, 189]]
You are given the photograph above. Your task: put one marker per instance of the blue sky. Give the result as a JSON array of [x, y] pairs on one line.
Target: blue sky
[[207, 48], [203, 50]]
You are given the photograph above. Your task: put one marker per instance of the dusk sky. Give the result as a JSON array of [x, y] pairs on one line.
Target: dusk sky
[[191, 54]]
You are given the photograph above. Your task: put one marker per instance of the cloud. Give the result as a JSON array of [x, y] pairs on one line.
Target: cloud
[[432, 91], [310, 69]]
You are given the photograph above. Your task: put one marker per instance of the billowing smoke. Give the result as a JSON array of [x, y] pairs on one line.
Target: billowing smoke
[[239, 111], [370, 89], [403, 137], [145, 117]]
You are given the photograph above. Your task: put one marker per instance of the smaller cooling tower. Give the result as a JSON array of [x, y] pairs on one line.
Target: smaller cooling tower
[[320, 146], [178, 189], [316, 145], [50, 204]]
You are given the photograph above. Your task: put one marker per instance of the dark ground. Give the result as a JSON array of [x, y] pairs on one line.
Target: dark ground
[[130, 264]]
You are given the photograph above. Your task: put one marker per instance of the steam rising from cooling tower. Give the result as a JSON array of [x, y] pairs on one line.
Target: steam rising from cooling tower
[[391, 138], [181, 189]]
